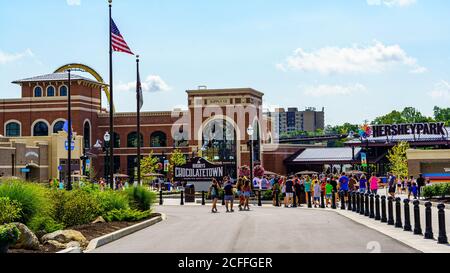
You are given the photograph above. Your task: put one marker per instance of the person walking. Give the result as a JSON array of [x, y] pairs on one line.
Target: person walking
[[247, 189], [308, 188], [392, 180], [289, 185], [352, 183], [420, 183], [317, 193], [240, 192], [363, 184], [298, 191], [275, 192], [213, 192], [415, 190], [409, 184], [343, 185], [229, 195], [374, 181], [333, 182], [328, 191]]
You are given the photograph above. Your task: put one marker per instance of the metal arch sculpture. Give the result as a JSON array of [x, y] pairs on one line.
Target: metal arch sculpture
[[91, 71]]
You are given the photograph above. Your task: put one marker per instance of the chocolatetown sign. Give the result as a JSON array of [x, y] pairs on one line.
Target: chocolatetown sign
[[198, 169]]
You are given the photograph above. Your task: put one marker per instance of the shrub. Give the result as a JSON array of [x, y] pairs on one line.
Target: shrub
[[33, 198], [112, 200], [44, 224], [437, 190], [140, 198], [428, 192], [9, 210], [76, 207], [128, 215], [9, 234]]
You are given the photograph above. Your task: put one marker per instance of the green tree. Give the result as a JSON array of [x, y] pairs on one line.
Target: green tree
[[407, 115], [398, 160], [442, 115], [149, 164], [394, 117], [176, 159]]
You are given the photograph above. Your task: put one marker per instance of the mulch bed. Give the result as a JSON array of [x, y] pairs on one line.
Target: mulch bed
[[90, 231]]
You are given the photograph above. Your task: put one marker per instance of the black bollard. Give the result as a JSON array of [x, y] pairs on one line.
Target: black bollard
[[428, 223], [182, 198], [417, 225], [354, 201], [349, 200], [442, 239], [309, 200], [203, 198], [362, 203], [383, 209], [322, 200], [407, 226], [277, 201], [391, 211], [333, 200], [366, 205], [377, 208], [358, 202], [295, 200], [372, 206], [161, 202], [259, 199], [342, 197], [398, 213]]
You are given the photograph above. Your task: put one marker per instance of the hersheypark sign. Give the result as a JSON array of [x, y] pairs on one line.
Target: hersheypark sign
[[433, 128], [198, 169]]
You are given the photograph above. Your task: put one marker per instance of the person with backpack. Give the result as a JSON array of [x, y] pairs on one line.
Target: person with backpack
[[420, 183], [214, 194]]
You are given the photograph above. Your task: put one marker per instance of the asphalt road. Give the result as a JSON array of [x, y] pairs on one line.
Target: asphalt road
[[193, 229]]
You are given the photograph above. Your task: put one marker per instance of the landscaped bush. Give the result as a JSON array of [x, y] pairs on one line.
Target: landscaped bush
[[9, 234], [141, 198], [128, 215], [112, 200], [33, 198], [436, 190], [44, 224], [9, 210], [76, 207]]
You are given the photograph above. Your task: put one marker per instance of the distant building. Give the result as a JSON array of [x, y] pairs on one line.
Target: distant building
[[292, 120]]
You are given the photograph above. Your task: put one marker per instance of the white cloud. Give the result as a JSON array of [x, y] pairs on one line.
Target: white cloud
[[356, 59], [73, 2], [152, 83], [391, 3], [12, 57], [334, 90], [441, 91]]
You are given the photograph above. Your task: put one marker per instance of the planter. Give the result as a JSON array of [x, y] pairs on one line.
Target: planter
[[4, 248]]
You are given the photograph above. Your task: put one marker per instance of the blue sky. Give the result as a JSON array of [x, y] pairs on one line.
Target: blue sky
[[357, 58]]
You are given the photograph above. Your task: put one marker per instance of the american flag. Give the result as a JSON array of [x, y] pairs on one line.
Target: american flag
[[139, 91], [118, 42]]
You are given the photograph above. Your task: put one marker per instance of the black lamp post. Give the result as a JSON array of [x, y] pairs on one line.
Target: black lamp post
[[250, 132], [69, 136], [107, 139]]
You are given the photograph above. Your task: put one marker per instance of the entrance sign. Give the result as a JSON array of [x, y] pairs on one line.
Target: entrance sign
[[199, 169], [25, 170], [436, 128], [72, 145]]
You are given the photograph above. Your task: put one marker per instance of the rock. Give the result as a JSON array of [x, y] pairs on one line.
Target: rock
[[55, 244], [65, 237], [73, 244], [27, 239], [99, 220]]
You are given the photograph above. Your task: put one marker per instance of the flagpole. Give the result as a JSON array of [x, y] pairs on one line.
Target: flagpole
[[138, 96], [69, 136], [111, 101]]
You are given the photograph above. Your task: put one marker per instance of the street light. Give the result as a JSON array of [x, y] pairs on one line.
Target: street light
[[107, 138], [250, 132]]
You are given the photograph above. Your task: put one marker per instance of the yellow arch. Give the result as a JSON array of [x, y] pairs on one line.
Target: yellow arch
[[91, 71]]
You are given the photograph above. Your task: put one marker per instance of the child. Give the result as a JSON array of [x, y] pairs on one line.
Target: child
[[317, 193], [329, 191], [415, 190]]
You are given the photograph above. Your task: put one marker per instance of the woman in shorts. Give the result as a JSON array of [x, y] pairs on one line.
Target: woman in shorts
[[240, 192], [247, 189], [214, 194]]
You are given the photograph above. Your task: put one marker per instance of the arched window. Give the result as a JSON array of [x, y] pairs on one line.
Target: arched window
[[63, 91], [13, 129], [58, 127], [40, 129], [50, 91], [158, 139], [87, 135], [132, 140], [38, 91]]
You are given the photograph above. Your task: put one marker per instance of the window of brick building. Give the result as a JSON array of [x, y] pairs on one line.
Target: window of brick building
[[13, 129]]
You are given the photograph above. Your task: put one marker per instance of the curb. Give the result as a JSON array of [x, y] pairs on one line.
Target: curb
[[108, 238]]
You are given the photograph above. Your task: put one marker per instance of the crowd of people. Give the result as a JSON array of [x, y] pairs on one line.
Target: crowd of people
[[297, 189]]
